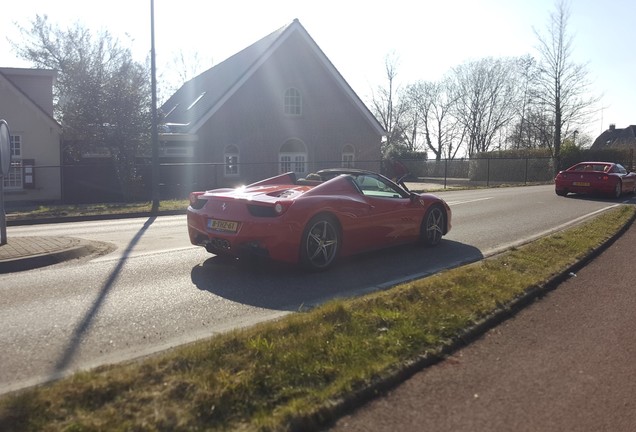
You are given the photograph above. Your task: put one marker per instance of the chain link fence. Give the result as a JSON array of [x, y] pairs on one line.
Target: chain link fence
[[97, 181], [482, 171]]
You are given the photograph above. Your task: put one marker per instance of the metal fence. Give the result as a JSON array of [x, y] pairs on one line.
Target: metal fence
[[98, 182], [482, 171]]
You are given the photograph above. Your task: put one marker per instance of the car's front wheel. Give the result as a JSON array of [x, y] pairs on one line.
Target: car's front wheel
[[618, 189], [320, 243], [432, 227]]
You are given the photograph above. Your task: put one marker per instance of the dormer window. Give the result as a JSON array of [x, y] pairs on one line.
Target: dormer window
[[293, 102]]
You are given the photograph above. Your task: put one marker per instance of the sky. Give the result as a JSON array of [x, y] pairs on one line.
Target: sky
[[427, 37]]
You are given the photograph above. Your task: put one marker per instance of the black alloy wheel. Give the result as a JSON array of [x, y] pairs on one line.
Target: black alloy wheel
[[618, 189], [320, 243], [432, 228]]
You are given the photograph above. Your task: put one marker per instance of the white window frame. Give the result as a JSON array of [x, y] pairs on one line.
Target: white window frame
[[231, 157], [293, 103], [14, 180], [296, 162], [348, 157]]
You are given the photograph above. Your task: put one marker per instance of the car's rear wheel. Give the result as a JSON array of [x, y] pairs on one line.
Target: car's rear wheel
[[618, 189], [320, 243], [561, 192], [432, 227]]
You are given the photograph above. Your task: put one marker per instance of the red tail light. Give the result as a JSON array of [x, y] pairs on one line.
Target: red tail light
[[281, 207]]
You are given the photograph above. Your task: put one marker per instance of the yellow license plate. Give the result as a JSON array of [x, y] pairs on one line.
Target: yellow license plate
[[581, 183], [221, 225]]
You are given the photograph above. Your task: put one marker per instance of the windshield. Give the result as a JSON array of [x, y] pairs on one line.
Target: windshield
[[377, 186]]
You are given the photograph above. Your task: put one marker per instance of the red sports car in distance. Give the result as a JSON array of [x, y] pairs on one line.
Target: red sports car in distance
[[315, 220], [595, 177]]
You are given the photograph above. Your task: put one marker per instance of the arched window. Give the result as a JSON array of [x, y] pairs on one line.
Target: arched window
[[293, 157], [293, 102], [231, 158], [348, 156]]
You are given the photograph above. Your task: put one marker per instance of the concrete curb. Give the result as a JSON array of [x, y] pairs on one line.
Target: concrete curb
[[45, 259]]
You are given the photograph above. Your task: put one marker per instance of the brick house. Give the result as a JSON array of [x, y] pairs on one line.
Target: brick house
[[278, 105], [26, 103]]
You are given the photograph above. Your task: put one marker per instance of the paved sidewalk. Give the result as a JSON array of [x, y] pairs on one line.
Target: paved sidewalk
[[25, 253]]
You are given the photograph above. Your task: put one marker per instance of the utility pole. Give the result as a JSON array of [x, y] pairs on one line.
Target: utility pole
[[5, 165], [154, 130]]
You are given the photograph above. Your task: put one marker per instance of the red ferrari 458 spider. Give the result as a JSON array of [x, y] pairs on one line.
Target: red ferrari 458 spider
[[313, 221], [595, 177]]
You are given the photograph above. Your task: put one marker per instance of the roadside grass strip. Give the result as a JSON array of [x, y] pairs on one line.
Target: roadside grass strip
[[61, 211], [296, 372]]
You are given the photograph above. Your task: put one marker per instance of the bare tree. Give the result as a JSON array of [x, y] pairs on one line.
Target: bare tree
[[526, 76], [485, 96], [563, 85], [533, 130], [440, 129], [183, 66], [392, 110]]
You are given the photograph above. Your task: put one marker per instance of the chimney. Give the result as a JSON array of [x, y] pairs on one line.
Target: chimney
[[612, 127]]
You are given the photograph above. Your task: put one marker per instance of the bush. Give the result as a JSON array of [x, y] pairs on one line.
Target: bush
[[571, 155]]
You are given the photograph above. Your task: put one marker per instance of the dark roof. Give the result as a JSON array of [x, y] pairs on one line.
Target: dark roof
[[198, 99], [616, 138]]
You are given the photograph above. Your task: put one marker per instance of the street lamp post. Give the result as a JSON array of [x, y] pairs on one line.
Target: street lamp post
[[154, 130], [5, 165]]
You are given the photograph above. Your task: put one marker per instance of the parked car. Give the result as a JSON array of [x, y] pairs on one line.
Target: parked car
[[315, 220], [595, 177]]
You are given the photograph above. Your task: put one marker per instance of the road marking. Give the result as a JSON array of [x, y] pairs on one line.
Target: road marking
[[118, 255], [467, 201]]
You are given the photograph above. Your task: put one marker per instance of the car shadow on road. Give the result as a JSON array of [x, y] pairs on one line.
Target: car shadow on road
[[277, 286]]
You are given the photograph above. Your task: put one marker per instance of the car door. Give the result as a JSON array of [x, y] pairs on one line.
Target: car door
[[628, 179], [392, 216], [632, 181]]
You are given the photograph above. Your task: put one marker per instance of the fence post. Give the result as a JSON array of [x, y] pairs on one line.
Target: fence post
[[525, 177], [445, 171], [487, 172]]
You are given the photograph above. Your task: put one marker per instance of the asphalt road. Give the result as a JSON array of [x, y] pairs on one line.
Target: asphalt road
[[156, 291]]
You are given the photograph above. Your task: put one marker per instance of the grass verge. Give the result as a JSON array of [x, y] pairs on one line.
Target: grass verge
[[292, 373], [62, 211]]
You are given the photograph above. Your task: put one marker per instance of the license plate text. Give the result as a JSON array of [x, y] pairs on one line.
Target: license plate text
[[221, 225]]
